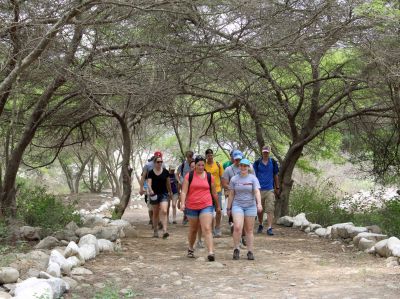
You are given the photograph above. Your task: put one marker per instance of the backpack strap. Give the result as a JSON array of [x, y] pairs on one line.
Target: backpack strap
[[191, 179]]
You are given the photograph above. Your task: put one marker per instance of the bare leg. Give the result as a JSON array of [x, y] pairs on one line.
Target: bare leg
[[193, 226], [237, 229], [248, 228], [173, 208], [156, 209], [163, 215], [206, 223], [270, 218]]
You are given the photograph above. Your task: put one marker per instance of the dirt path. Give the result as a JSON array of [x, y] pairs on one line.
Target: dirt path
[[288, 265]]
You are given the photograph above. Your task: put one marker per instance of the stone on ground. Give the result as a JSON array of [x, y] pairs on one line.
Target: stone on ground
[[48, 243], [8, 275]]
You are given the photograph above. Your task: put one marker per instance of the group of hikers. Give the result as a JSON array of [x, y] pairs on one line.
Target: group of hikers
[[197, 187]]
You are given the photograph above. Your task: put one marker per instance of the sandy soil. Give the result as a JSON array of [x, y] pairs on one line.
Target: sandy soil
[[290, 264]]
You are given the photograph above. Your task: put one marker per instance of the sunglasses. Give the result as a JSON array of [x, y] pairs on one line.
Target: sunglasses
[[159, 161]]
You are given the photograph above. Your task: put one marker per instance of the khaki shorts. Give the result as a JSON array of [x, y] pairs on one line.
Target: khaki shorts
[[268, 201]]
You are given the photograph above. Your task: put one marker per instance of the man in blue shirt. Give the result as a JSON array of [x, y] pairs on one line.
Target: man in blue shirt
[[266, 170]]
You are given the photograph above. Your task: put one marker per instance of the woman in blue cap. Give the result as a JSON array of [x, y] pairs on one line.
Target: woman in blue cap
[[243, 204]]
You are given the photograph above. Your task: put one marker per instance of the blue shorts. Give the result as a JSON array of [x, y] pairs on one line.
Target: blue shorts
[[247, 212], [219, 200], [163, 197], [196, 213]]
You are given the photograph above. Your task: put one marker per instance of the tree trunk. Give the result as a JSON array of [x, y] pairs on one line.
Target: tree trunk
[[125, 169], [285, 179], [67, 174]]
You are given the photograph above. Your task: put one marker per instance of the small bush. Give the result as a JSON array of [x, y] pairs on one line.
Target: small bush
[[38, 208], [319, 204]]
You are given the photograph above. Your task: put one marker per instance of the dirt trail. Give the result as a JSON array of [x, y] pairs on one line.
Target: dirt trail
[[288, 265]]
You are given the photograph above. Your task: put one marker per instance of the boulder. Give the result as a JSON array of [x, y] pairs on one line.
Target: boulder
[[80, 232], [8, 275], [71, 250], [111, 233], [72, 226], [47, 243], [365, 244], [58, 258], [353, 231], [381, 248], [74, 261], [4, 295], [54, 269], [368, 236], [321, 232], [105, 245], [339, 230], [89, 240], [314, 226], [394, 246], [87, 251], [30, 233], [300, 221], [39, 258], [71, 282], [34, 288], [130, 232], [93, 221], [374, 229], [81, 271], [119, 223], [32, 272], [285, 221], [65, 234]]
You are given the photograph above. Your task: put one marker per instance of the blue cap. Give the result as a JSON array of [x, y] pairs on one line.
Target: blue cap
[[237, 155], [245, 162]]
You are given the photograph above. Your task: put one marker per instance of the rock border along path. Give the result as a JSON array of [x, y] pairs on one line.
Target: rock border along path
[[291, 264]]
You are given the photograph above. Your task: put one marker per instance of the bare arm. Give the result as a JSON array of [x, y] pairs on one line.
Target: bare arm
[[215, 197], [149, 181], [183, 194], [169, 186]]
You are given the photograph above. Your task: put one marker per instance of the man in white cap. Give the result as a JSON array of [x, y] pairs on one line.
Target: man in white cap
[[266, 170]]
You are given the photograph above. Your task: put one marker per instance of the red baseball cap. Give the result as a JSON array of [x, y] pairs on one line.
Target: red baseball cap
[[157, 154]]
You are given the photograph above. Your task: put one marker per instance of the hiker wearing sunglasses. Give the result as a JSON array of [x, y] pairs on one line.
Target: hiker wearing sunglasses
[[159, 185]]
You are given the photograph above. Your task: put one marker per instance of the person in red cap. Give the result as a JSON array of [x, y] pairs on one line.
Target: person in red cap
[[143, 182]]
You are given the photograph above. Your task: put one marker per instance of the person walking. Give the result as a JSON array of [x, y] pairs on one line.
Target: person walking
[[174, 188], [183, 169], [160, 191], [197, 195], [216, 171], [266, 170], [243, 204]]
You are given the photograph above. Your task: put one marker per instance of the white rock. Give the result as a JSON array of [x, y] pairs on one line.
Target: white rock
[[74, 262], [105, 245], [34, 288], [71, 250], [381, 248], [30, 233], [177, 283], [394, 246], [321, 232], [368, 236], [58, 286], [80, 232], [314, 226], [92, 221], [58, 258], [339, 230], [285, 221], [365, 244], [89, 240], [72, 226], [353, 231], [4, 295], [300, 221], [47, 243], [81, 271], [8, 275], [111, 233], [54, 269], [119, 222], [87, 251], [38, 258], [71, 282]]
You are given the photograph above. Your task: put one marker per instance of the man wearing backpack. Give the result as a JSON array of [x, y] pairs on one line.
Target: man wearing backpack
[[216, 171], [266, 170]]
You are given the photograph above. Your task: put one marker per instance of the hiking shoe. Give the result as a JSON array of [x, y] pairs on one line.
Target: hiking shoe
[[155, 234], [200, 244], [160, 226], [250, 256], [165, 236], [150, 222], [260, 229], [243, 241], [211, 257], [269, 232], [174, 222], [236, 254], [185, 221], [217, 233], [190, 253]]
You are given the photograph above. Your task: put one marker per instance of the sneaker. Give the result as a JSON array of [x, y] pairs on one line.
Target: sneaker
[[165, 236], [200, 244], [211, 257], [236, 254], [260, 229], [250, 256], [174, 222], [269, 232], [190, 253], [160, 226], [217, 233], [185, 221], [243, 241], [155, 234]]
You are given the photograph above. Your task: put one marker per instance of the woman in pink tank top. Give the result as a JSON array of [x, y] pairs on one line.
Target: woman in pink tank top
[[197, 197]]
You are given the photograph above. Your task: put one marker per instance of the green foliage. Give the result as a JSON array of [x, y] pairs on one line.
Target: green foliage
[[3, 230], [38, 208], [111, 292], [321, 206]]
